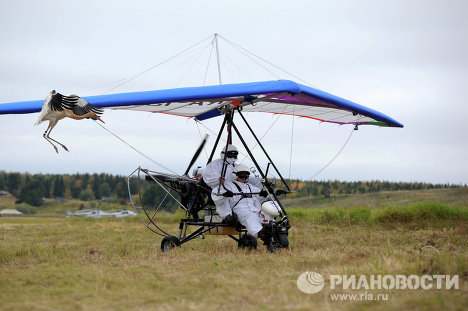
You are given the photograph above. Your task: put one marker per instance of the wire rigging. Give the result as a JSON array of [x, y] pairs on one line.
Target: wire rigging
[[235, 65], [152, 67], [222, 139], [266, 132], [87, 91], [194, 55], [209, 60], [336, 155], [241, 49], [264, 60], [291, 146], [138, 151], [190, 57], [254, 60], [193, 64]]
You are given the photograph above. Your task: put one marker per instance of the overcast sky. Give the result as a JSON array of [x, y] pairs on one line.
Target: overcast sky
[[407, 59]]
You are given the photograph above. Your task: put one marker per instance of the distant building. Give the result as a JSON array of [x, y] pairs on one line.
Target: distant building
[[3, 193], [10, 212], [107, 199]]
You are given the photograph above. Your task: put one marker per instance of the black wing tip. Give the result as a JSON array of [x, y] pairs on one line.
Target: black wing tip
[[60, 102], [95, 109]]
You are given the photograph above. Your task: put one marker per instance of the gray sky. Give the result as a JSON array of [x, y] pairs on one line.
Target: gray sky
[[406, 59]]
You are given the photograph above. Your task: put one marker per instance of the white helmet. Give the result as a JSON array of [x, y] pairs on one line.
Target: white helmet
[[241, 170], [231, 154]]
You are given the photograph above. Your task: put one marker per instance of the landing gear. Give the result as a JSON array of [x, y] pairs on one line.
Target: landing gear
[[247, 241], [275, 235], [277, 242], [169, 242]]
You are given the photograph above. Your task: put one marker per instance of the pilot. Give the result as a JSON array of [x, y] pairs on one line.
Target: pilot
[[212, 173], [240, 201]]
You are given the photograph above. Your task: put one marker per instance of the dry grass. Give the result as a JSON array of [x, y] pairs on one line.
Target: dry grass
[[448, 196], [106, 264]]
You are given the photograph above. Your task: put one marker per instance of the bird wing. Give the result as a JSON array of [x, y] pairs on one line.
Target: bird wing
[[79, 106], [56, 103]]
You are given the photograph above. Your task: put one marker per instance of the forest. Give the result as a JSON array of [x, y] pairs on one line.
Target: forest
[[33, 189]]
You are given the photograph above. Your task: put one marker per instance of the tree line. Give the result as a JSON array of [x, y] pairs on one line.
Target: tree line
[[329, 188], [32, 189]]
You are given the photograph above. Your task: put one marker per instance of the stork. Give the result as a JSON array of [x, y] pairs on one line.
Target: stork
[[57, 106]]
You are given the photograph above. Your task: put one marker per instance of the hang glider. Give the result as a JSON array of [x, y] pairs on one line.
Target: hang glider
[[276, 97]]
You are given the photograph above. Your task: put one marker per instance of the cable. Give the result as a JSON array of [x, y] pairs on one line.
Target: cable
[[333, 159], [238, 48], [170, 71], [269, 63], [226, 68], [193, 63], [101, 86], [141, 153], [152, 67], [222, 139], [208, 65], [235, 65], [292, 135], [268, 130]]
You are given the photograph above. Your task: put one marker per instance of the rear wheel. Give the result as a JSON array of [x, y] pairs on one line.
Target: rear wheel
[[169, 242], [248, 242]]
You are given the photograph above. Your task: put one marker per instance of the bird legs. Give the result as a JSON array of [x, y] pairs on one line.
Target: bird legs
[[49, 139]]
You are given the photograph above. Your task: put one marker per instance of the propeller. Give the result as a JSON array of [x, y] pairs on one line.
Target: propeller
[[197, 154]]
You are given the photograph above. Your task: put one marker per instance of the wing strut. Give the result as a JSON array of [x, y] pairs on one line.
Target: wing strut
[[230, 117], [229, 123], [264, 151]]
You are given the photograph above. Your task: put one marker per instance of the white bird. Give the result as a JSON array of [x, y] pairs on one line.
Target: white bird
[[56, 107]]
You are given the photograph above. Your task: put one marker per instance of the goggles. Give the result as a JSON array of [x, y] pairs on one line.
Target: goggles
[[243, 174], [232, 154]]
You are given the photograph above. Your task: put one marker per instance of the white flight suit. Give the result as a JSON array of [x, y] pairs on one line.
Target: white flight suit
[[212, 173], [248, 209]]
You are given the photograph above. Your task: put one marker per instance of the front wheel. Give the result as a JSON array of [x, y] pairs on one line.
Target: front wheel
[[277, 242], [169, 242]]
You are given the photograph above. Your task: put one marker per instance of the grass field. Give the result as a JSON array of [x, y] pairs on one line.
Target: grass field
[[57, 263]]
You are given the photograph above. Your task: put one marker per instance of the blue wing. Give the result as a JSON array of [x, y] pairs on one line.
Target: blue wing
[[277, 97]]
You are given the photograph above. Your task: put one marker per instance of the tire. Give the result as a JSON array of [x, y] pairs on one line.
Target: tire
[[277, 242], [283, 240], [169, 242], [248, 242]]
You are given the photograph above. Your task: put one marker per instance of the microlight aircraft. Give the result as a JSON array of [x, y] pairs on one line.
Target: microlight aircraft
[[229, 101]]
